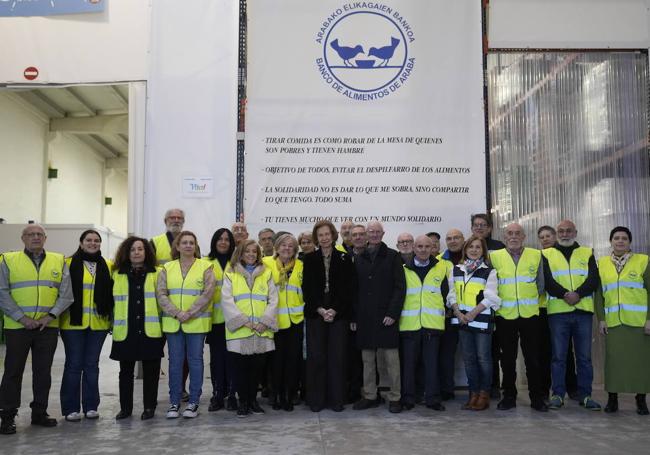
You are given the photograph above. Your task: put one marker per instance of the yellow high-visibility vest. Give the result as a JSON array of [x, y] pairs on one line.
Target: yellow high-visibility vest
[[183, 292], [163, 249], [290, 301], [626, 299], [34, 291], [217, 311], [251, 302], [517, 283], [424, 306], [467, 290], [570, 275], [89, 317], [152, 323]]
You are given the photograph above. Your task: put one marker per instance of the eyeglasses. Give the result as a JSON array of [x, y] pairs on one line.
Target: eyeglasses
[[404, 242], [480, 225]]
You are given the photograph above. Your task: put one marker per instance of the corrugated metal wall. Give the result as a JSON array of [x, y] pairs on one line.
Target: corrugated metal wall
[[568, 138]]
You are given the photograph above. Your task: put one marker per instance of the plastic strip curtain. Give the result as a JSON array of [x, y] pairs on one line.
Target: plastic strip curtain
[[568, 138]]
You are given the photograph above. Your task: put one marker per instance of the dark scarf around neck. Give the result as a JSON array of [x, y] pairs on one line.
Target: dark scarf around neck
[[103, 293]]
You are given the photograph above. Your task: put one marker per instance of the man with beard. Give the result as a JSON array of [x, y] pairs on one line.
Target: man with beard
[[174, 221]]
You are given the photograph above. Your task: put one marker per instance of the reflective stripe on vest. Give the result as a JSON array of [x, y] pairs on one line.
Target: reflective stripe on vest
[[152, 323], [424, 306], [217, 312], [570, 275], [251, 302], [34, 291], [183, 292], [624, 294], [467, 292], [290, 299], [163, 249], [89, 316], [517, 283]]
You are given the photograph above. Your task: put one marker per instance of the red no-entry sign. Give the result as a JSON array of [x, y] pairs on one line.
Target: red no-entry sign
[[30, 73]]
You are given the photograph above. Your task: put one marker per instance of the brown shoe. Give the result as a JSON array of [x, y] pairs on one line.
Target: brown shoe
[[471, 402], [483, 401]]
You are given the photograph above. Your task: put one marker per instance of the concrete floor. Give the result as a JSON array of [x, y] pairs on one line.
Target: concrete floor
[[571, 430]]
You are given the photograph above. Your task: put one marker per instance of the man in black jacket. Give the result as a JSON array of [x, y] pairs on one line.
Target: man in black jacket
[[381, 292]]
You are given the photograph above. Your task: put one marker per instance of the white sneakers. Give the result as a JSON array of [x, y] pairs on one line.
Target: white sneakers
[[172, 412], [92, 414], [191, 411], [74, 417]]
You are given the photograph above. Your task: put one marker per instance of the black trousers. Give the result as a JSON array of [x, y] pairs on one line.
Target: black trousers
[[249, 371], [355, 369], [415, 346], [222, 368], [447, 357], [150, 377], [286, 361], [326, 362], [42, 345], [571, 379], [509, 332]]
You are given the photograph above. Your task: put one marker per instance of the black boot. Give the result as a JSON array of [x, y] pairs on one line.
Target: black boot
[[641, 406], [8, 423], [612, 403]]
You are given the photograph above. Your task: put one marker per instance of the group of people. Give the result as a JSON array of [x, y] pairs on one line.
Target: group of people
[[380, 324]]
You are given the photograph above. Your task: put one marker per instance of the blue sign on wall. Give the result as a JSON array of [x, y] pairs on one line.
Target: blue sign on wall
[[49, 7]]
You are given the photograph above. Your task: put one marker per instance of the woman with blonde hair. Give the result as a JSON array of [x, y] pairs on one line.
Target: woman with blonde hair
[[249, 300], [285, 365]]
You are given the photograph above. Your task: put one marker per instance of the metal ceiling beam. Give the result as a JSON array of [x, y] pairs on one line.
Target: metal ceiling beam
[[117, 163], [82, 102], [98, 145], [101, 124], [123, 101], [124, 143], [43, 103]]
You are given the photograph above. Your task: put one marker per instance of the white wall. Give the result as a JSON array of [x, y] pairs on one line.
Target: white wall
[[192, 113], [76, 195], [116, 186], [21, 155], [103, 47], [569, 24]]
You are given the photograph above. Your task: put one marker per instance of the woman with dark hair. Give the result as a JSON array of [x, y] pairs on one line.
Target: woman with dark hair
[[474, 298], [84, 327], [287, 357], [222, 246], [329, 287], [621, 304], [250, 303], [184, 290], [137, 332]]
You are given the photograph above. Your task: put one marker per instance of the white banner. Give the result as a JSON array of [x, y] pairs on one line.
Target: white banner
[[365, 110]]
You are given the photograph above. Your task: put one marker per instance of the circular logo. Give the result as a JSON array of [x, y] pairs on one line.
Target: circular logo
[[365, 51]]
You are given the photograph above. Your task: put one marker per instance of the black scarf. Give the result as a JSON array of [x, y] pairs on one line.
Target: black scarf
[[103, 292]]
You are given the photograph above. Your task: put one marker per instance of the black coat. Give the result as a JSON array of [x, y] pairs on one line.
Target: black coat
[[382, 288], [342, 284]]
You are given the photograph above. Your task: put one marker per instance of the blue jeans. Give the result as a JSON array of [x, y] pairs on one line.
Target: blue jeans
[[477, 355], [179, 345], [564, 327], [80, 383]]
